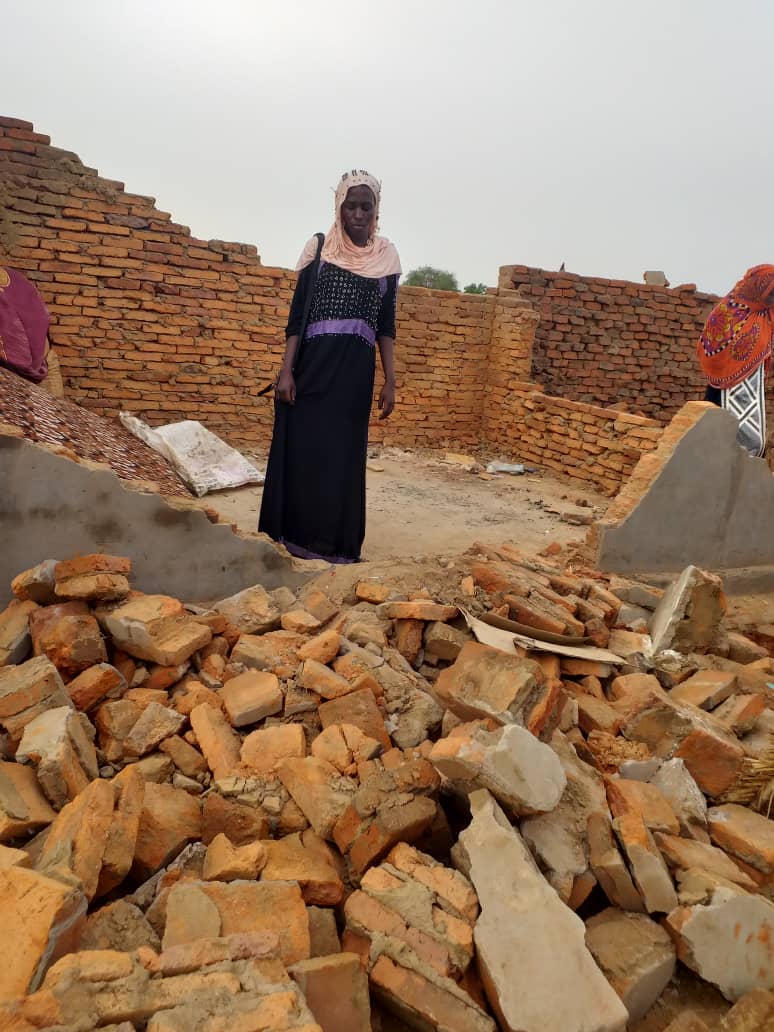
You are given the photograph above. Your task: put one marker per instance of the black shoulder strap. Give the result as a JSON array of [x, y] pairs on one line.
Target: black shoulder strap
[[310, 289], [307, 302]]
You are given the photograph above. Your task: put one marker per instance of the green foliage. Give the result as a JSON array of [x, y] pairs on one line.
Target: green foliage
[[475, 288], [427, 276]]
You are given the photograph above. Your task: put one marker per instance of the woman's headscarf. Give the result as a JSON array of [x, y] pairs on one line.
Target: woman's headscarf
[[24, 323], [737, 336], [377, 259]]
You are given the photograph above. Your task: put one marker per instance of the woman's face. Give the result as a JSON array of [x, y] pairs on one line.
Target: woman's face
[[357, 213]]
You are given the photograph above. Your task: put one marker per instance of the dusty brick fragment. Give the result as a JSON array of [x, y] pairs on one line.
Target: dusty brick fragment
[[740, 713], [239, 822], [408, 638], [23, 807], [745, 834], [713, 761], [155, 628], [170, 819], [369, 591], [61, 749], [323, 933], [264, 750], [226, 862], [77, 840], [252, 611], [121, 839], [187, 759], [358, 708], [705, 689], [643, 800], [114, 720], [419, 609], [299, 622], [217, 740], [15, 640], [244, 907], [28, 690], [336, 989], [118, 926], [315, 677], [290, 859], [69, 636], [251, 697], [609, 867], [597, 715], [93, 578], [484, 682], [444, 642], [37, 584], [320, 791], [425, 1003], [686, 853], [156, 723], [323, 649], [95, 684], [42, 920], [635, 954], [648, 868]]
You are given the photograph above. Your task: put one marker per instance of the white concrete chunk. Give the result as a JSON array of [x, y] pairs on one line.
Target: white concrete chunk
[[526, 937]]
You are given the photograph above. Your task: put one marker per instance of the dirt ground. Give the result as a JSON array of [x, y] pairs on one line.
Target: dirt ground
[[421, 506]]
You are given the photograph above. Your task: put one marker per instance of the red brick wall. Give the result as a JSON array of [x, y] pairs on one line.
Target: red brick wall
[[150, 319], [609, 341]]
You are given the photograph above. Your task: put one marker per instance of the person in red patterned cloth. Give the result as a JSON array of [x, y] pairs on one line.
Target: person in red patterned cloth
[[734, 352]]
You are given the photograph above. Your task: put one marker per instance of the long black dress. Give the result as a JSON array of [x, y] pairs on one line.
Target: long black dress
[[314, 498]]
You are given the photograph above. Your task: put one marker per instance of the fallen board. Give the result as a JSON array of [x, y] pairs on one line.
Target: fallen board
[[506, 641]]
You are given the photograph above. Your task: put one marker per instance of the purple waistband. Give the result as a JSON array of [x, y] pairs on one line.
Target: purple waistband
[[357, 327], [304, 553]]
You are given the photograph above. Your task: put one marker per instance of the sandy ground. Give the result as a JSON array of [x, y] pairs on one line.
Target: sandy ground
[[421, 505]]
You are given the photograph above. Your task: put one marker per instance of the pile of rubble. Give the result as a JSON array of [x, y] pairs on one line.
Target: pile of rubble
[[281, 813]]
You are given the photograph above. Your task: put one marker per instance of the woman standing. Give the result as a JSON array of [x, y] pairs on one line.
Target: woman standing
[[314, 495], [734, 351]]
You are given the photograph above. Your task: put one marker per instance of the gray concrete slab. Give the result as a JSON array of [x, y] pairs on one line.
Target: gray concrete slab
[[54, 508], [710, 504]]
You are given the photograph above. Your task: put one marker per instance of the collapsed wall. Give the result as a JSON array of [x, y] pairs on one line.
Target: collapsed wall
[[699, 498], [55, 505]]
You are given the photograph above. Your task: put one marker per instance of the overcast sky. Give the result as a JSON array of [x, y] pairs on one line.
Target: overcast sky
[[614, 136]]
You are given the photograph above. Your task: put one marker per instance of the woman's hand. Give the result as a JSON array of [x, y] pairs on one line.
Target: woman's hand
[[387, 400], [286, 388]]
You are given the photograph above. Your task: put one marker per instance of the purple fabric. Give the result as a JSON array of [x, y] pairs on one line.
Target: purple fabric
[[304, 553], [24, 323], [357, 327]]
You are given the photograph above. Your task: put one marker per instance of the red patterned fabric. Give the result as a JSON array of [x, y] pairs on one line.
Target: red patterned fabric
[[737, 336]]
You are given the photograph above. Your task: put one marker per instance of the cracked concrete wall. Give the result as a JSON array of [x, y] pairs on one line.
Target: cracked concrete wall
[[698, 499], [53, 508]]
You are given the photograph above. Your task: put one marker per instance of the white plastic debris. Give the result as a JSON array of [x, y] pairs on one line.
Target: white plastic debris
[[201, 458], [517, 469]]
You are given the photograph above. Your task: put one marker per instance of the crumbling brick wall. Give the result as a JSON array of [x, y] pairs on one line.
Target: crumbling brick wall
[[596, 446], [612, 342], [150, 319]]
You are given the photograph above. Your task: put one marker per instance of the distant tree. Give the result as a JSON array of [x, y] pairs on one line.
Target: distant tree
[[427, 276], [475, 288]]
